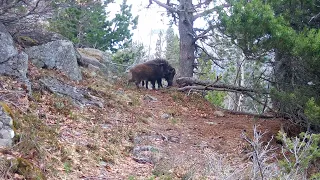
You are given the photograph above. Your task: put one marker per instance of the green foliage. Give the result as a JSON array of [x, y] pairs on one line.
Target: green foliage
[[67, 167], [159, 45], [312, 111], [132, 178], [172, 50], [289, 33], [85, 23], [299, 152], [248, 22], [118, 33], [133, 54], [298, 13], [298, 102], [315, 176], [214, 97]]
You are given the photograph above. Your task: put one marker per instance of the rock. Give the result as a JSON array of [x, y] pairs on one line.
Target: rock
[[16, 65], [165, 116], [103, 163], [12, 62], [6, 131], [7, 48], [120, 91], [145, 154], [211, 123], [91, 60], [80, 96], [93, 68], [101, 59], [35, 37], [219, 114], [106, 126], [57, 54], [91, 52], [5, 119], [5, 142], [148, 97]]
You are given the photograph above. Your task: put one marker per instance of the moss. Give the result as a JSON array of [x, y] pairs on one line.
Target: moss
[[27, 169], [34, 133], [28, 40], [7, 109]]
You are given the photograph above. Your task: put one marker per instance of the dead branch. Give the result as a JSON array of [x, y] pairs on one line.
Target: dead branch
[[263, 104], [264, 116], [210, 56], [209, 85], [168, 7]]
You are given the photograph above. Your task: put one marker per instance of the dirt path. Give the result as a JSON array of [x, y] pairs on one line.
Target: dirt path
[[186, 139]]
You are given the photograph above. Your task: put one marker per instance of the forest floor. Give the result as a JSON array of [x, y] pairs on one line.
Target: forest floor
[[138, 134]]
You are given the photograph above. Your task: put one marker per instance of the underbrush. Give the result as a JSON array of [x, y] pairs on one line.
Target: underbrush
[[298, 155]]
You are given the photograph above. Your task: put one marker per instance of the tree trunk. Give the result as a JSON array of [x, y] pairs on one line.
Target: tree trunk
[[187, 44]]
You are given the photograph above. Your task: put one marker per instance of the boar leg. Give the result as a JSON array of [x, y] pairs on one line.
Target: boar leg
[[159, 81], [153, 82]]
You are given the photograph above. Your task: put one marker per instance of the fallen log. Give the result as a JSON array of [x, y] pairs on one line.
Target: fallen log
[[263, 116], [186, 84]]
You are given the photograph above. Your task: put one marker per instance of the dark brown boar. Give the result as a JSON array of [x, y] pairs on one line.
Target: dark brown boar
[[143, 72], [167, 71], [152, 71]]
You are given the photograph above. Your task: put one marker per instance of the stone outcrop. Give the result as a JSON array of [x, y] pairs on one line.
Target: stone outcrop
[[100, 59], [35, 37], [12, 62], [56, 54], [80, 96]]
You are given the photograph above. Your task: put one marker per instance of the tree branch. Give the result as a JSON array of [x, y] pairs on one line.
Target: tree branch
[[211, 57], [169, 8], [201, 14], [208, 11]]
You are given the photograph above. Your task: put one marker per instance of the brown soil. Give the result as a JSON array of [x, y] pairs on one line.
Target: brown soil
[[101, 143], [189, 138]]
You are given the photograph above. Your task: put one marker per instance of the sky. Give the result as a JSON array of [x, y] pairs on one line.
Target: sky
[[151, 21]]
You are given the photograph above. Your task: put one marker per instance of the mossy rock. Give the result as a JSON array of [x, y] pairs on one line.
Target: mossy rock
[[27, 169], [27, 41]]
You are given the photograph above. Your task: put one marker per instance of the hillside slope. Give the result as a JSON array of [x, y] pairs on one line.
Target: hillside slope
[[137, 134]]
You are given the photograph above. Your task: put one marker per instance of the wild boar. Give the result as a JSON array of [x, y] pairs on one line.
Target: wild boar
[[168, 71], [152, 71]]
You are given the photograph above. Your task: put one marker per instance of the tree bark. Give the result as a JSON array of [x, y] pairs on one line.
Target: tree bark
[[187, 44]]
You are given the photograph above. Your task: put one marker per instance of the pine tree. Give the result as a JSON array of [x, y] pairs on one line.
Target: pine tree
[[172, 50], [85, 23], [159, 45]]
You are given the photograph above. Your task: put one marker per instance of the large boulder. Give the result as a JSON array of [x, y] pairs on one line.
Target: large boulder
[[7, 48], [56, 54], [12, 62], [91, 58]]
